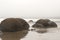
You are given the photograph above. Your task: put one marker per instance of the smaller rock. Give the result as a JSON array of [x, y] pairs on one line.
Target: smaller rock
[[43, 21], [46, 23]]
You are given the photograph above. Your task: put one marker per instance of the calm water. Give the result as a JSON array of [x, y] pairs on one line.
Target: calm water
[[51, 34]]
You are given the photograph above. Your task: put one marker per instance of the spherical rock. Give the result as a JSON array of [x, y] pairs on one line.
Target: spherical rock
[[13, 24], [46, 23]]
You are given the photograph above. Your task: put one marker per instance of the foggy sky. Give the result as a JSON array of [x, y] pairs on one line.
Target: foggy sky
[[30, 8]]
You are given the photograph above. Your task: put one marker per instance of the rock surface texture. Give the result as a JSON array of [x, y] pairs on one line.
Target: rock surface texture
[[44, 23], [13, 24]]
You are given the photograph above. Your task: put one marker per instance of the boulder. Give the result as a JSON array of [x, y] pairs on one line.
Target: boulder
[[13, 24], [43, 22]]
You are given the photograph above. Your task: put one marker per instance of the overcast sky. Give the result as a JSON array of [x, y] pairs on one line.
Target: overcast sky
[[30, 8]]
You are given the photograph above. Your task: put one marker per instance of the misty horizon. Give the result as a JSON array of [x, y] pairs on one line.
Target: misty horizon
[[30, 8]]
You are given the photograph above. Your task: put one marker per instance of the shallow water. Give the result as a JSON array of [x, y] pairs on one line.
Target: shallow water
[[51, 34]]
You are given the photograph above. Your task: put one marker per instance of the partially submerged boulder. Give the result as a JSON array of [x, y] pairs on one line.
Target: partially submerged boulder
[[13, 24], [44, 23]]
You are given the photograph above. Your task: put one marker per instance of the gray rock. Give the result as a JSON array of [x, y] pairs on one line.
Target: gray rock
[[47, 23], [43, 22], [13, 24]]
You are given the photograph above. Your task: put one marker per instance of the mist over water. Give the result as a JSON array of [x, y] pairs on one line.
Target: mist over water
[[30, 8]]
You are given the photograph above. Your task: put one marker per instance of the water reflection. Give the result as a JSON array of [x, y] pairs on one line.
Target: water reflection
[[39, 30], [14, 35]]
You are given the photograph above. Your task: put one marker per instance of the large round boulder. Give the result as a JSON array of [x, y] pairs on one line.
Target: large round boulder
[[13, 24]]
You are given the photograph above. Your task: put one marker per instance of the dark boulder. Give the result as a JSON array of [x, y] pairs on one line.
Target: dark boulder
[[13, 24], [43, 21]]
